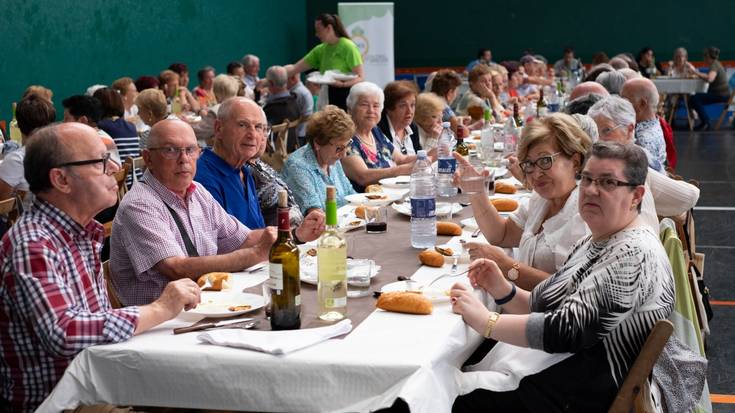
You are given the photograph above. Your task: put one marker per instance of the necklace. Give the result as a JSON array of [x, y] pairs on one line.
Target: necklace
[[365, 142]]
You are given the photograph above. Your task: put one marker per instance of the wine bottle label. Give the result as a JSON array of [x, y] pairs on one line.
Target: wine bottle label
[[297, 300], [276, 276], [423, 208], [284, 223], [446, 165], [335, 302]]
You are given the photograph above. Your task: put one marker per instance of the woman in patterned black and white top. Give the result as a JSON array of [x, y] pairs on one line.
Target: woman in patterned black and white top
[[600, 306]]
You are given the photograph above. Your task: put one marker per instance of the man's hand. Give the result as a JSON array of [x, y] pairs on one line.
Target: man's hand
[[268, 236], [182, 294], [312, 227]]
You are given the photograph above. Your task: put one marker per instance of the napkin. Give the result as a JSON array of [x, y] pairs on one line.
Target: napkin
[[275, 342]]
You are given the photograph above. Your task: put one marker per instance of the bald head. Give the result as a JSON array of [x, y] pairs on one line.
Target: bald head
[[227, 109], [585, 88], [163, 131], [642, 93], [618, 63]]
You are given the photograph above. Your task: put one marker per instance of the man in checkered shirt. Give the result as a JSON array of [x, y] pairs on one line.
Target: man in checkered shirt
[[53, 300]]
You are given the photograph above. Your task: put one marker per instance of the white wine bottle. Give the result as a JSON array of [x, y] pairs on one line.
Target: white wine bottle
[[332, 265], [15, 134], [285, 278]]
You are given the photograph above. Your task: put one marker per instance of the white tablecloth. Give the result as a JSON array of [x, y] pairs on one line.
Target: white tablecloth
[[680, 85], [389, 355]]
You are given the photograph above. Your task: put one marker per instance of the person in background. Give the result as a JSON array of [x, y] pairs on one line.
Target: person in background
[[599, 57], [397, 119], [596, 70], [718, 91], [224, 87], [618, 62], [151, 109], [680, 66], [612, 81], [170, 83], [122, 132], [428, 120], [304, 101], [54, 301], [204, 91], [446, 84], [146, 82], [127, 90], [531, 65], [484, 57], [280, 105], [568, 64], [643, 95], [314, 166], [629, 59], [237, 70], [88, 110], [480, 95], [39, 90], [31, 113], [251, 64], [336, 52], [182, 70], [647, 65], [371, 155]]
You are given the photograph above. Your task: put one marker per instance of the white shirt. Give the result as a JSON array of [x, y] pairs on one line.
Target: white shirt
[[427, 142], [12, 173], [666, 197], [545, 245], [407, 142]]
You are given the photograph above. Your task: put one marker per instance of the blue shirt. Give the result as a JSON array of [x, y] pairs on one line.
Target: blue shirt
[[224, 183], [309, 183]]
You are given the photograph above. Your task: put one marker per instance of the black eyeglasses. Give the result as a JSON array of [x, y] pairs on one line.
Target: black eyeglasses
[[170, 152], [104, 161], [544, 162], [604, 183]]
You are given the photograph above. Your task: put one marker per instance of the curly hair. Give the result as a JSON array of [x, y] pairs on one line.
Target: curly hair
[[444, 81], [329, 123]]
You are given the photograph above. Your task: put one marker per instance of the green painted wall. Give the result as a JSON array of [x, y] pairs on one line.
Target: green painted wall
[[445, 33], [68, 45]]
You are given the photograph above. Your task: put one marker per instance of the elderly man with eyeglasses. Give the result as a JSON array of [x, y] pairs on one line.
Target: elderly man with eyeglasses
[[53, 300], [169, 227], [231, 173]]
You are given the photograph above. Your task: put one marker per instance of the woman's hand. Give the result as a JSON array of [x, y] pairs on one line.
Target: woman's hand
[[469, 172], [465, 303], [486, 274], [479, 250]]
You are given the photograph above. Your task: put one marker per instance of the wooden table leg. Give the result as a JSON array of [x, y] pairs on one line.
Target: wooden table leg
[[674, 103], [689, 116]]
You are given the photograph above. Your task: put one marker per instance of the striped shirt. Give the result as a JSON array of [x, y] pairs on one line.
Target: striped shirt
[[126, 138], [53, 303]]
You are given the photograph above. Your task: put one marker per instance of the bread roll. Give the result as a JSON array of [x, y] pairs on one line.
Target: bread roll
[[373, 188], [220, 281], [431, 258], [360, 211], [448, 228], [505, 188], [404, 302], [505, 204]]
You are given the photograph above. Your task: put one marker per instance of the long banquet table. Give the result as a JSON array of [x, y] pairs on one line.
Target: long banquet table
[[387, 356], [679, 88]]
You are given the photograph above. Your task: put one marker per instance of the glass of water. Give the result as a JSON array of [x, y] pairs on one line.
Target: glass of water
[[359, 272]]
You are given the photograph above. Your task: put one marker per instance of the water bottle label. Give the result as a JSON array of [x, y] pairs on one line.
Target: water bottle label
[[423, 208], [446, 166]]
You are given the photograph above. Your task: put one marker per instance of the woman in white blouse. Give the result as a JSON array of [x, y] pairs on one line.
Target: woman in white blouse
[[428, 118], [551, 153]]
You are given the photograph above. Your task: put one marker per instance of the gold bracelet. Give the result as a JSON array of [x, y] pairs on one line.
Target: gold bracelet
[[491, 324]]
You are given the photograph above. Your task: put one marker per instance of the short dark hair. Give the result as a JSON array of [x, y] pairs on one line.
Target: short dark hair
[[232, 66], [44, 152], [582, 104], [146, 82], [34, 112], [712, 52], [568, 49], [633, 157], [179, 68], [328, 19], [444, 81], [112, 104], [482, 51], [83, 105], [203, 71], [397, 90]]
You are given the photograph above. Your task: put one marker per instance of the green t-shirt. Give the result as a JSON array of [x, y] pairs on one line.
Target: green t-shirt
[[342, 56], [719, 85]]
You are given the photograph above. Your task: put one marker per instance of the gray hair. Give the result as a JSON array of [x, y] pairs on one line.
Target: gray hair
[[277, 76], [90, 90], [44, 152], [588, 125], [618, 63], [248, 59], [615, 108], [629, 73], [225, 86], [634, 158], [582, 104], [362, 89], [612, 81], [225, 108]]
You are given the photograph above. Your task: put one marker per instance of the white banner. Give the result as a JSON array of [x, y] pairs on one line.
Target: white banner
[[370, 25]]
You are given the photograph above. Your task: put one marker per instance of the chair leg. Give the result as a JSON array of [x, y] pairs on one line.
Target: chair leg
[[724, 111], [689, 115]]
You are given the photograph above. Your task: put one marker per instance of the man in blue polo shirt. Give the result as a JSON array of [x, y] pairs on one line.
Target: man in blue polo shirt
[[239, 131]]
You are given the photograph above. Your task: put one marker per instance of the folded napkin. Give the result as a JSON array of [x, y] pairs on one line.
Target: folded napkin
[[275, 342]]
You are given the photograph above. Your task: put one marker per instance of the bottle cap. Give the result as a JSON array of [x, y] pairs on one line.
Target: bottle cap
[[331, 193], [283, 199], [421, 154], [446, 124]]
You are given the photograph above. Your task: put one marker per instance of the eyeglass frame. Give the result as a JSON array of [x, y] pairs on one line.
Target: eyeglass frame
[[104, 160], [534, 164], [167, 151], [610, 130], [341, 148], [617, 183]]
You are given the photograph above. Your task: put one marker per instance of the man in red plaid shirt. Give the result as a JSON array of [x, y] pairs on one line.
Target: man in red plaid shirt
[[53, 300]]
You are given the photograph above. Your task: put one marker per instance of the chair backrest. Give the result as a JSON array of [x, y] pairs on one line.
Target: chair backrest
[[634, 394], [9, 209], [135, 164], [112, 295], [276, 152], [120, 177]]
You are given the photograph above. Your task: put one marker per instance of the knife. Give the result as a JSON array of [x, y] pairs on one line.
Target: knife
[[204, 326]]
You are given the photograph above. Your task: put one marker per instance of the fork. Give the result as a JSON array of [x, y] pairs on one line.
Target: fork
[[445, 275]]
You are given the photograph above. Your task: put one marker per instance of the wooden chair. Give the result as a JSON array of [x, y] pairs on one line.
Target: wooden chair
[[120, 177], [135, 164], [276, 151], [8, 208], [729, 107], [114, 300], [635, 393]]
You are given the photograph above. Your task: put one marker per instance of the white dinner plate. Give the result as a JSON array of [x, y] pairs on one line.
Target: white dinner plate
[[432, 293], [361, 199], [403, 181], [215, 303], [309, 273], [500, 172], [442, 208]]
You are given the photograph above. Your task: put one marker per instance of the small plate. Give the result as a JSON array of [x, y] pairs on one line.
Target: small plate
[[402, 181], [361, 199], [215, 304], [442, 208], [432, 293]]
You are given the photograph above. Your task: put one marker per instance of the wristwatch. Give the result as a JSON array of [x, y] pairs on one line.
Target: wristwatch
[[490, 324], [513, 273]]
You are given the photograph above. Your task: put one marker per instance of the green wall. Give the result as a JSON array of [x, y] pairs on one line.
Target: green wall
[[444, 33], [68, 45]]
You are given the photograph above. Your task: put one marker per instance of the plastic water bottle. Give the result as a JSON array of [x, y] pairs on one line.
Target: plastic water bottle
[[446, 164], [510, 135], [423, 203]]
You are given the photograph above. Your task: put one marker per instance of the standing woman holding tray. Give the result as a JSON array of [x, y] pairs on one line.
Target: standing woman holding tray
[[336, 52]]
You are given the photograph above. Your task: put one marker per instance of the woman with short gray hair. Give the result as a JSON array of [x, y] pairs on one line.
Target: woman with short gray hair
[[612, 81], [615, 119], [372, 155]]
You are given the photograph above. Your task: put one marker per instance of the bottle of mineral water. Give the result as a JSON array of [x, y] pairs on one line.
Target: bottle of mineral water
[[446, 164], [423, 203]]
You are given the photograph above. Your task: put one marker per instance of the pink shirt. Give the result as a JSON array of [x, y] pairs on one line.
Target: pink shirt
[[144, 233]]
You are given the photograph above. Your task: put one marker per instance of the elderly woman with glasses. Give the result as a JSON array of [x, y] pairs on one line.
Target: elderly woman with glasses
[[590, 318], [551, 153], [371, 156], [313, 167], [397, 120]]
